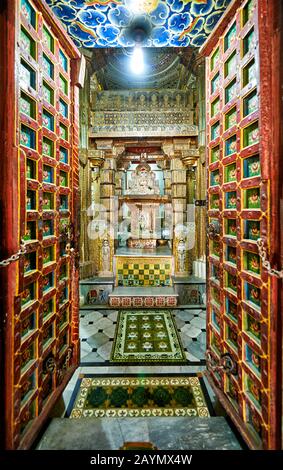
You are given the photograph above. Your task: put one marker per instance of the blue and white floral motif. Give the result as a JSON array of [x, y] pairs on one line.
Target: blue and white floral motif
[[175, 23], [76, 32], [124, 40], [176, 41], [77, 42], [64, 12], [179, 22], [120, 16], [176, 5], [221, 4], [159, 16], [211, 21], [160, 36], [91, 17], [101, 42], [197, 28], [198, 9], [75, 3], [108, 32], [198, 40]]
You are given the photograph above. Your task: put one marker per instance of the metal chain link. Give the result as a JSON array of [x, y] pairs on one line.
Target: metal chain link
[[265, 262], [213, 231], [69, 250], [14, 257], [225, 363]]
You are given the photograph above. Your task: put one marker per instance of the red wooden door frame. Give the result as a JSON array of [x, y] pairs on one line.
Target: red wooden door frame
[[270, 26], [10, 219], [9, 173]]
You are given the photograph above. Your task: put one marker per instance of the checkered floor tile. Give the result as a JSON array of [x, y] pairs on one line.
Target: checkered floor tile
[[97, 329]]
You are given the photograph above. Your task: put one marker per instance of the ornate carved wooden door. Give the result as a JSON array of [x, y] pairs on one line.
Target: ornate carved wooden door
[[243, 116], [39, 191]]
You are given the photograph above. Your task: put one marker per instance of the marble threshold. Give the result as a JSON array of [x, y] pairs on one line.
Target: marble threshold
[[122, 291]]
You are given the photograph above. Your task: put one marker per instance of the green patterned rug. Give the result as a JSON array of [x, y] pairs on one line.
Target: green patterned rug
[[114, 397], [146, 336]]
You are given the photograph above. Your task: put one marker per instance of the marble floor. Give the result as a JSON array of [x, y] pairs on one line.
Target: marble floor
[[165, 433], [214, 433], [142, 292], [154, 252], [97, 331]]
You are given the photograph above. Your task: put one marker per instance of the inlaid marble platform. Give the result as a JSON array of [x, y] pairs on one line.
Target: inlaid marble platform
[[147, 297], [143, 271], [149, 253], [190, 290]]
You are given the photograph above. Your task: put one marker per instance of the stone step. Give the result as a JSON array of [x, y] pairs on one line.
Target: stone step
[[148, 297], [95, 292], [99, 292], [165, 433]]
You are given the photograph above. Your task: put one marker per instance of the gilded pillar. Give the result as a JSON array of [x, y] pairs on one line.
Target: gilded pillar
[[179, 203], [87, 265], [190, 156], [201, 206], [201, 192], [109, 212]]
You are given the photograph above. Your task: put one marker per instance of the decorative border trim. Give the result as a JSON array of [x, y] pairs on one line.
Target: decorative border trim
[[205, 398], [144, 301]]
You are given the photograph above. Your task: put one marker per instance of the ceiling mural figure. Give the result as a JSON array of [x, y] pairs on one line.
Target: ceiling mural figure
[[167, 23]]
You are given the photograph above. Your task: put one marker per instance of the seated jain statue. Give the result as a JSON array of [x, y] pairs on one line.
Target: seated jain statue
[[143, 181]]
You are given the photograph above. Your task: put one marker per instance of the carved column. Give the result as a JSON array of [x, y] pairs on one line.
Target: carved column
[[201, 206], [190, 156], [179, 204], [96, 159], [201, 167], [87, 265], [120, 170], [119, 182], [191, 213], [108, 204]]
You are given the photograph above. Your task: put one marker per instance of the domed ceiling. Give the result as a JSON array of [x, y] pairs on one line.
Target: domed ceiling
[[154, 23], [164, 68]]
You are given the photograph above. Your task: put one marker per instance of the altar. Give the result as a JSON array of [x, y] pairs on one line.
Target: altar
[[143, 267], [143, 258], [147, 249], [144, 208]]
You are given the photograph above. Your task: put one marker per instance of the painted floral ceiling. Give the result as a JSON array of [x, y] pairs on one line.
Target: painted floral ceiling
[[159, 23]]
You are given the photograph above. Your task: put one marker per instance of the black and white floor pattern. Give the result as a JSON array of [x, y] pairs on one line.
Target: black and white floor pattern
[[97, 331]]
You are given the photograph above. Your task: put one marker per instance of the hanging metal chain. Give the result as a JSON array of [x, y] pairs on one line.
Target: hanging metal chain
[[49, 365], [226, 363], [265, 262], [213, 231], [14, 257], [68, 232], [70, 250]]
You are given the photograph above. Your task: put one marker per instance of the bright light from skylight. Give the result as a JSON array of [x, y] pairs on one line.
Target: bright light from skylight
[[136, 6], [137, 61]]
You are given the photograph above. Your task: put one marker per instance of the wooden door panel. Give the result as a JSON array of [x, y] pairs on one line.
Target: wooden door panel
[[42, 344], [242, 192]]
